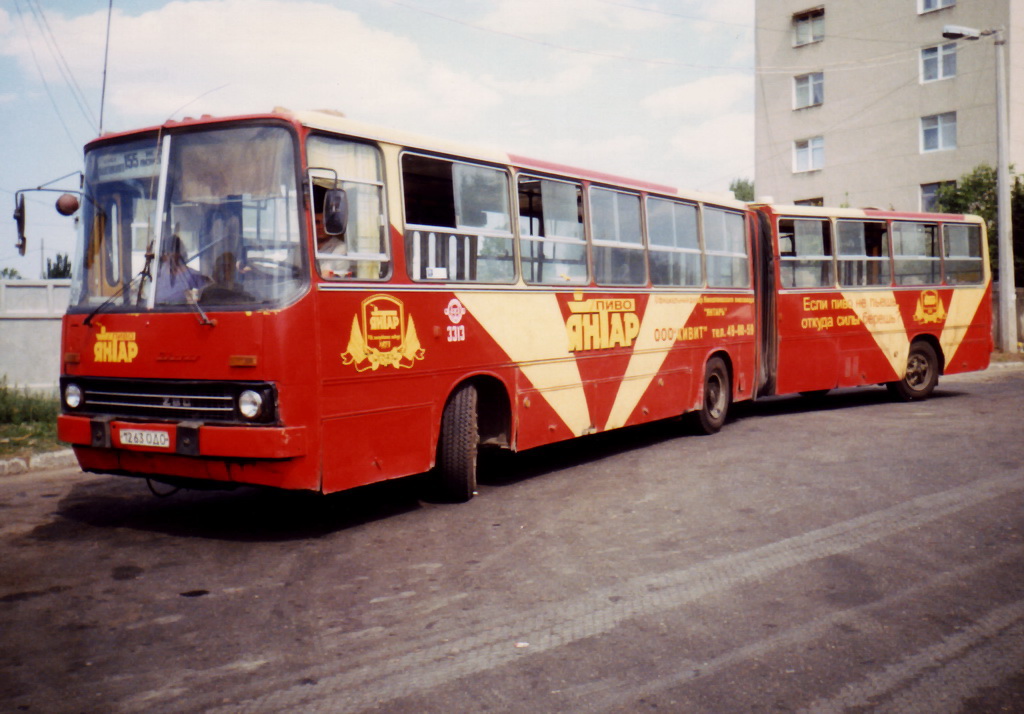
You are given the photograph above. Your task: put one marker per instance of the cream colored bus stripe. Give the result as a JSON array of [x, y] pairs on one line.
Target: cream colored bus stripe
[[962, 309], [647, 357], [530, 329], [889, 333]]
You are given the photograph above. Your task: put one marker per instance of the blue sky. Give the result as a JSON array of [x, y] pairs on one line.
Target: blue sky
[[660, 90]]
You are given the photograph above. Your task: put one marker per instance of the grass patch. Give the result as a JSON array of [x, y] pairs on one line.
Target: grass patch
[[28, 422]]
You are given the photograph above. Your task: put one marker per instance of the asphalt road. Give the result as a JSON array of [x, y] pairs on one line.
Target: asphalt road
[[842, 554]]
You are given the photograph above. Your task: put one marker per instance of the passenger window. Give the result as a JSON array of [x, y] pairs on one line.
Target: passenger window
[[552, 248], [674, 243], [362, 250], [618, 241], [962, 251], [863, 253], [805, 250], [915, 249], [458, 225], [725, 247]]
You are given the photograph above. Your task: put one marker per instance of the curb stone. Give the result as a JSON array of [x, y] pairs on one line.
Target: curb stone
[[37, 462]]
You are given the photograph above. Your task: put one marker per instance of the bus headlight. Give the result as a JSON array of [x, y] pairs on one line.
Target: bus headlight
[[250, 404], [73, 396]]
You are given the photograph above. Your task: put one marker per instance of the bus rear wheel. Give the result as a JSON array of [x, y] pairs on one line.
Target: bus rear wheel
[[921, 377], [457, 447], [717, 392]]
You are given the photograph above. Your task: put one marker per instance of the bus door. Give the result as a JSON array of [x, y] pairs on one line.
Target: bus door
[[808, 353], [764, 288]]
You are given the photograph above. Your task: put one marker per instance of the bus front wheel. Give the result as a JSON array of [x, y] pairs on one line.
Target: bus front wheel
[[457, 447], [717, 392], [922, 374]]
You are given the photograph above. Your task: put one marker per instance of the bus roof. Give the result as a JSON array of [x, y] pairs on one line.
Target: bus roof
[[826, 211], [336, 123]]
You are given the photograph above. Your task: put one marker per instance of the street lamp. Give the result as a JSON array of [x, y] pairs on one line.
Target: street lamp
[[1007, 289]]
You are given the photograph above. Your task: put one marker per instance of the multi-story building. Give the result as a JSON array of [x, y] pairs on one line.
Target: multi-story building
[[867, 104]]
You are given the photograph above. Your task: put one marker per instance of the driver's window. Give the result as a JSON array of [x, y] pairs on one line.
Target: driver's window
[[358, 249]]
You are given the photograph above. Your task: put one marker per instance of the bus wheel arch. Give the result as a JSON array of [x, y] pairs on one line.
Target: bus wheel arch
[[476, 413], [715, 393], [925, 362]]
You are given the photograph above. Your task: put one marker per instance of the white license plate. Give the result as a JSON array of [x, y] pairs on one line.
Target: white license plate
[[145, 437]]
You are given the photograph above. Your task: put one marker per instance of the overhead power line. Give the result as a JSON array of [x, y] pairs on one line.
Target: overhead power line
[[62, 64], [42, 76]]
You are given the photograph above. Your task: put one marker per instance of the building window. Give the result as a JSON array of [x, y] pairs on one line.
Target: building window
[[809, 154], [938, 132], [930, 5], [930, 195], [808, 27], [938, 62], [808, 90]]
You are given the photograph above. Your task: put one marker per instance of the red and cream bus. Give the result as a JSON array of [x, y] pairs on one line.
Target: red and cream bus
[[875, 297], [301, 301]]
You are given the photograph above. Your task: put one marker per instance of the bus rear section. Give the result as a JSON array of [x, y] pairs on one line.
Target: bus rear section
[[867, 297]]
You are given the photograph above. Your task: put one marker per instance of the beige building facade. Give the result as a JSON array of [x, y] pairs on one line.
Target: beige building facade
[[866, 104]]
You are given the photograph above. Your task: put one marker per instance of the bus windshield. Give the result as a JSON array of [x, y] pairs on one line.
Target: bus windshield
[[203, 218]]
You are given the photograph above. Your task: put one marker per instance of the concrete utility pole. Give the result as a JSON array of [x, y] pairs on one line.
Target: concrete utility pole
[[1007, 282]]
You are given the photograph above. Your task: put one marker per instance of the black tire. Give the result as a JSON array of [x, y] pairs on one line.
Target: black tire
[[921, 377], [457, 447], [717, 396]]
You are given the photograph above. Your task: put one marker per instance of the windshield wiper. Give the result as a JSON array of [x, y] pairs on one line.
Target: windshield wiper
[[192, 298], [141, 276]]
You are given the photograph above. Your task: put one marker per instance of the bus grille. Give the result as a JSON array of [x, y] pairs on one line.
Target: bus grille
[[167, 400]]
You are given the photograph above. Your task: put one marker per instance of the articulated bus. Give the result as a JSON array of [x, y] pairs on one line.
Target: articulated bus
[[300, 301]]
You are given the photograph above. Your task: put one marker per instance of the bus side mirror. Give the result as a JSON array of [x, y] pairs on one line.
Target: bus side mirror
[[335, 211], [19, 219], [67, 204]]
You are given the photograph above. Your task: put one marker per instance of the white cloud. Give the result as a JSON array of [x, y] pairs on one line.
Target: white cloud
[[722, 143], [257, 53], [701, 98], [550, 17], [231, 56]]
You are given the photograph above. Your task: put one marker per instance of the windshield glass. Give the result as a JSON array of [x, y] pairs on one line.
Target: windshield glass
[[227, 235]]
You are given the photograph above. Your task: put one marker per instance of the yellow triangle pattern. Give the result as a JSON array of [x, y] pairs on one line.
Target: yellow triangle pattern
[[648, 356], [530, 329], [962, 309], [880, 314]]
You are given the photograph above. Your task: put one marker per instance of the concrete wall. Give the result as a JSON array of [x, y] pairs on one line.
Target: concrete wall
[[30, 312], [870, 118]]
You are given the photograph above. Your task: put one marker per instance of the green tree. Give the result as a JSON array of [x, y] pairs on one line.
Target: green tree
[[9, 274], [60, 267], [976, 193], [742, 189]]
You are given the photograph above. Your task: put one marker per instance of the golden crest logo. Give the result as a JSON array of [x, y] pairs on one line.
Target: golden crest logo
[[601, 323], [114, 346], [381, 336], [929, 308]]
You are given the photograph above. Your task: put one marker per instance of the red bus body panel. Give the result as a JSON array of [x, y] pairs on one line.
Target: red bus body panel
[[845, 337]]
